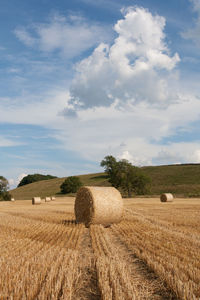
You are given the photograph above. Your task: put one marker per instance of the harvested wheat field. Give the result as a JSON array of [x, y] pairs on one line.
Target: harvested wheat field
[[154, 253]]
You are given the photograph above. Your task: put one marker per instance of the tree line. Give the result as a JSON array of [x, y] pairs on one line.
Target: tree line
[[34, 178]]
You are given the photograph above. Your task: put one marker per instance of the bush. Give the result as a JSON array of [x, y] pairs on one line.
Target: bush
[[34, 178], [70, 185], [5, 196], [3, 184]]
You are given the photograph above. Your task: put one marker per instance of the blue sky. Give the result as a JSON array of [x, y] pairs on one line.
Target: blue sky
[[83, 79]]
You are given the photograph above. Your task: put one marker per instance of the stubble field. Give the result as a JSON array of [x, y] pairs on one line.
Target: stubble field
[[154, 253]]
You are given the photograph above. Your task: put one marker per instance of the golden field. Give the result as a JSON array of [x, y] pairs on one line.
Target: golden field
[[154, 253]]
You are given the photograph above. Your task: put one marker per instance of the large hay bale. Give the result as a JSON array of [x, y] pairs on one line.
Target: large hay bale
[[53, 198], [166, 197], [36, 200], [98, 205], [47, 199]]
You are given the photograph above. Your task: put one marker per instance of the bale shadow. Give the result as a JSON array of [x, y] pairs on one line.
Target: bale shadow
[[69, 222], [74, 222]]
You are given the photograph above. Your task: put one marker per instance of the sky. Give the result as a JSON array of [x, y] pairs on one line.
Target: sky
[[83, 79]]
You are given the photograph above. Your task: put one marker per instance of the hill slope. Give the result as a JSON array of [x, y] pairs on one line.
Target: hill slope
[[181, 180], [178, 179], [52, 187]]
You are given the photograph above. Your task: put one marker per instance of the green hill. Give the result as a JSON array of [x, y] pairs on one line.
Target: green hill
[[181, 180], [52, 187], [177, 179]]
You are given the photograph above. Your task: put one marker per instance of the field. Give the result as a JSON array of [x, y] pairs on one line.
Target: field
[[154, 253]]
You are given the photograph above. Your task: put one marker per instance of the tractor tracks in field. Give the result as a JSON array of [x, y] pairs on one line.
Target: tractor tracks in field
[[110, 270], [148, 282], [121, 274], [88, 283]]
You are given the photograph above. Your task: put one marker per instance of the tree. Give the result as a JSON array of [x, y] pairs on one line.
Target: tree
[[110, 165], [71, 185], [34, 178], [123, 175], [132, 179], [3, 184], [4, 194]]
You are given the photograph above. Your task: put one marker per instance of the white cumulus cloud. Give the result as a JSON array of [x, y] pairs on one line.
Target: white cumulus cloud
[[134, 159], [135, 68]]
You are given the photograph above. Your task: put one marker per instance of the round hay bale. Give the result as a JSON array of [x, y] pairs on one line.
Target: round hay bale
[[47, 199], [36, 200], [98, 205], [166, 197], [53, 198]]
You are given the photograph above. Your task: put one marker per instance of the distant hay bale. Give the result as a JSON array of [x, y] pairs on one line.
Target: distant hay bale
[[53, 198], [47, 199], [98, 205], [166, 197], [36, 200], [12, 199]]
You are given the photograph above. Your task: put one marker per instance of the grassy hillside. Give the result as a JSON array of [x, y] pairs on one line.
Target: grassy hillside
[[183, 180], [178, 179], [52, 187]]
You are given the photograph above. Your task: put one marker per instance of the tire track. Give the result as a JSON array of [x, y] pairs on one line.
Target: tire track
[[141, 272], [88, 282], [121, 274]]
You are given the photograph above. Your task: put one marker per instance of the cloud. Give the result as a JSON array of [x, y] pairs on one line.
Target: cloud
[[117, 96], [24, 36], [70, 36], [193, 33], [41, 109], [196, 5], [126, 155], [108, 4], [4, 142], [196, 156], [137, 161], [135, 68], [168, 156], [11, 182], [178, 153], [14, 182], [20, 177], [13, 70], [137, 133]]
